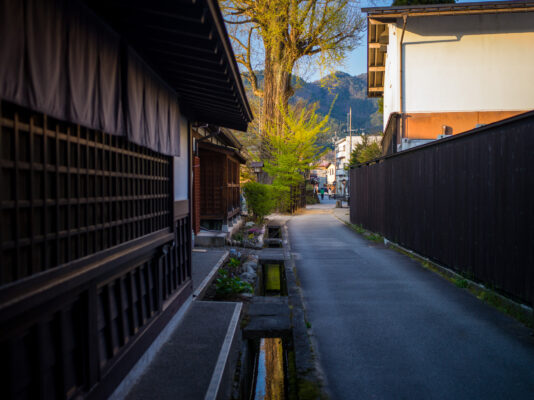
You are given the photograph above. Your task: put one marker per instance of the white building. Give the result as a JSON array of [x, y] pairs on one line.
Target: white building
[[448, 68], [331, 174], [344, 148]]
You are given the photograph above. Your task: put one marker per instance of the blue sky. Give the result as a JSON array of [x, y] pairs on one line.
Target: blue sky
[[356, 62]]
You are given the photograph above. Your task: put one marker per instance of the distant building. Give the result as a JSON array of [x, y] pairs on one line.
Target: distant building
[[344, 148], [318, 175], [331, 174], [448, 68]]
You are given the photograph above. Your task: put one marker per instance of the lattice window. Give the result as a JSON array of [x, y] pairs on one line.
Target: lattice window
[[67, 192]]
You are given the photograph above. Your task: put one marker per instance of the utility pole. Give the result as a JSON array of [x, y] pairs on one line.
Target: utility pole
[[350, 142], [350, 131]]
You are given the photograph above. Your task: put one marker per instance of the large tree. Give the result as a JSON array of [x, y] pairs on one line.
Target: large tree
[[276, 35]]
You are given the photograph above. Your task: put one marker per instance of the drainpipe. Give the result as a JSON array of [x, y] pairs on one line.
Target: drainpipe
[[401, 92]]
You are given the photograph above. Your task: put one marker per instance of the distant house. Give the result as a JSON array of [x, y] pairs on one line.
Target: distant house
[[97, 102], [448, 68], [319, 174], [343, 150], [331, 174]]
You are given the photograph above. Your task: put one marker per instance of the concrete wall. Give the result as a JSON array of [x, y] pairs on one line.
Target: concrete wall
[[181, 164], [462, 63]]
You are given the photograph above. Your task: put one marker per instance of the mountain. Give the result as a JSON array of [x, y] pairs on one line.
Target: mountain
[[351, 91]]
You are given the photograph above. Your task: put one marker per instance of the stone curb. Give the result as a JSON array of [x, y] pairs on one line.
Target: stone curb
[[222, 367]]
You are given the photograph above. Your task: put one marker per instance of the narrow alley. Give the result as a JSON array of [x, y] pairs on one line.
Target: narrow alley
[[386, 328]]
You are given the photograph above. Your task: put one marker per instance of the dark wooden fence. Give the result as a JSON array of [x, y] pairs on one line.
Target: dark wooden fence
[[466, 202], [94, 256]]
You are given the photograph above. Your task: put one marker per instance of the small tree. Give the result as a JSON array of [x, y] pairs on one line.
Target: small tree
[[365, 151], [294, 151]]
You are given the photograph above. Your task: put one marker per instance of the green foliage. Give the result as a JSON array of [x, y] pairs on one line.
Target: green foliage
[[293, 151], [380, 104], [415, 2], [365, 151], [259, 199], [280, 36], [227, 284], [461, 283], [238, 236], [234, 262]]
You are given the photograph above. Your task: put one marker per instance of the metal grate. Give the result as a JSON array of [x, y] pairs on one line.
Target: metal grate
[[68, 192]]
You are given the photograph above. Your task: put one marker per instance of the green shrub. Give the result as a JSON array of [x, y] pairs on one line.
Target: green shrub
[[259, 199], [227, 284], [234, 262]]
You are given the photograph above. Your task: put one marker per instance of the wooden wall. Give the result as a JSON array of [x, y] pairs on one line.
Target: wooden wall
[[93, 261]]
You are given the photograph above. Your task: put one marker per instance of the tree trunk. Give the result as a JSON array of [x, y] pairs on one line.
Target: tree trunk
[[277, 88]]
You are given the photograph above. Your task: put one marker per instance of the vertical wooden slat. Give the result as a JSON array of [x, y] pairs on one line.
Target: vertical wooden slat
[[121, 307], [62, 353], [16, 267], [57, 197], [2, 270], [149, 289], [41, 357], [92, 346], [134, 324], [78, 191], [45, 196], [69, 198], [32, 198], [142, 292], [109, 306]]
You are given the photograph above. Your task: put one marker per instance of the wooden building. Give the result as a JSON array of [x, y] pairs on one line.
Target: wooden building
[[97, 100], [217, 203]]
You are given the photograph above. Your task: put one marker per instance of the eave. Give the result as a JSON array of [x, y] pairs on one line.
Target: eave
[[386, 14], [186, 43]]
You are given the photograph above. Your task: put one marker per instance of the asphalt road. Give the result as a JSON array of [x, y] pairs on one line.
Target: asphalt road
[[386, 328]]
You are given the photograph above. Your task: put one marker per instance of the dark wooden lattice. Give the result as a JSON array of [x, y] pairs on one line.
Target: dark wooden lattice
[[88, 219], [68, 192]]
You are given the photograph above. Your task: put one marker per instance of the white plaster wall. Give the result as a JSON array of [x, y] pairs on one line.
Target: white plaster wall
[[462, 63], [391, 78], [470, 63], [181, 164]]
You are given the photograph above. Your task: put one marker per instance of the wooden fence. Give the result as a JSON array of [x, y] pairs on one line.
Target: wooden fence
[[466, 202]]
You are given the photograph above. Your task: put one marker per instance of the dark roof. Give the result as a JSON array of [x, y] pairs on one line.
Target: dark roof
[[187, 45], [223, 149], [452, 8]]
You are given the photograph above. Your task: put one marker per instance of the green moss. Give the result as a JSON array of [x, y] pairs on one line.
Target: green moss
[[272, 279], [310, 390], [461, 283], [483, 294], [292, 378]]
